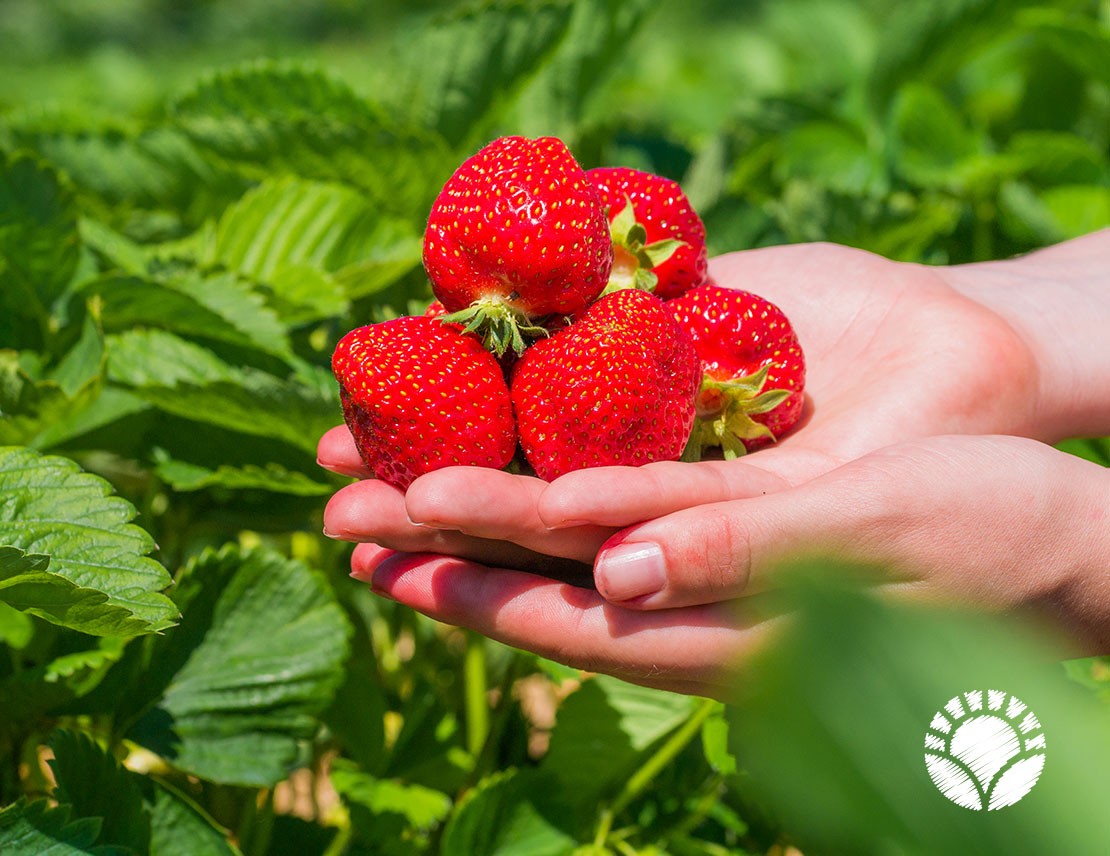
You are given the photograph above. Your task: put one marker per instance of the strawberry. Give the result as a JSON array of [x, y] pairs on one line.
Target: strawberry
[[518, 233], [419, 395], [435, 309], [754, 369], [658, 237], [615, 387]]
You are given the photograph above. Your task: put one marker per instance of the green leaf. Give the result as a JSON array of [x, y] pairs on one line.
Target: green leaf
[[598, 39], [220, 308], [257, 656], [187, 380], [1078, 210], [834, 155], [94, 784], [1085, 43], [27, 406], [287, 224], [118, 168], [459, 70], [505, 816], [55, 685], [926, 41], [421, 807], [36, 829], [272, 477], [179, 825], [1095, 449], [268, 118], [53, 509], [932, 145], [604, 712], [833, 735], [136, 813], [38, 238]]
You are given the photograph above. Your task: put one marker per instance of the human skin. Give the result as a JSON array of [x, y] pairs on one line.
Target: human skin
[[896, 353]]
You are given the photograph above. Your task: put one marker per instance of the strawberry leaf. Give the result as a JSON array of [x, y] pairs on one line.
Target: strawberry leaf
[[99, 579], [257, 656]]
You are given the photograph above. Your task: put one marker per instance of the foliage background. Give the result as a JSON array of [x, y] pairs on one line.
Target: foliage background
[[197, 200]]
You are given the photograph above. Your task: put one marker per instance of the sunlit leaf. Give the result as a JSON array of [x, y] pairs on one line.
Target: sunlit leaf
[[98, 566], [240, 682]]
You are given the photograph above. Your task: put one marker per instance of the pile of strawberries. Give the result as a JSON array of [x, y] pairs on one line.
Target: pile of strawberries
[[574, 324]]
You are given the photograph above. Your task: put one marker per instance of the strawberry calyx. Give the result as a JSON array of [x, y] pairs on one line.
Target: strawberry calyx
[[724, 411], [498, 324], [634, 259]]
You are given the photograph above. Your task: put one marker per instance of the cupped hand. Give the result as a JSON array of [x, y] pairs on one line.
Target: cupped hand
[[893, 353], [999, 522]]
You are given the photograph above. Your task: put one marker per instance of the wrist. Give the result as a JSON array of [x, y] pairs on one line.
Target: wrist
[[1057, 301]]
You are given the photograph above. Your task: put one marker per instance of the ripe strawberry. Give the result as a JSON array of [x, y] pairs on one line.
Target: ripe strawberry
[[615, 387], [658, 240], [435, 309], [419, 395], [752, 391], [517, 233]]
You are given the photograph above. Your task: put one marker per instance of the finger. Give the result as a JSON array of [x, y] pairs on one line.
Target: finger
[[336, 451], [498, 505], [690, 650], [622, 496], [365, 559], [373, 512], [727, 550]]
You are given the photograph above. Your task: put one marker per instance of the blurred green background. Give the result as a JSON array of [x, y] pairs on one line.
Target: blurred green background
[[943, 131]]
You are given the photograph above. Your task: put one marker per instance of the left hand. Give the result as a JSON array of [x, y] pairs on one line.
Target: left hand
[[993, 522]]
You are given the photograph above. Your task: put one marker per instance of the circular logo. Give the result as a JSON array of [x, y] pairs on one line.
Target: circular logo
[[984, 750]]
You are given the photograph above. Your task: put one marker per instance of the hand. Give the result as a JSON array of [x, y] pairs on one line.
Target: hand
[[893, 352], [999, 522]]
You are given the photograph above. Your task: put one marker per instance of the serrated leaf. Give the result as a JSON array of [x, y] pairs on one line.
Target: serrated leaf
[[50, 507], [37, 829], [38, 238], [460, 69], [268, 118], [220, 308], [54, 685], [421, 808], [94, 785], [288, 224], [272, 477], [187, 380], [155, 168], [256, 658]]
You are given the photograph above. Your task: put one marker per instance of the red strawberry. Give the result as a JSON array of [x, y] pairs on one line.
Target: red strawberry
[[435, 309], [752, 391], [659, 241], [419, 395], [615, 387], [517, 233]]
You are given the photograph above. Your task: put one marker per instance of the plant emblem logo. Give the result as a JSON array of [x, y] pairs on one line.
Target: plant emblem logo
[[984, 750]]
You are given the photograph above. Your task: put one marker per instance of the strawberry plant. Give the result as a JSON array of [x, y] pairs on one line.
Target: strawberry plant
[[198, 204]]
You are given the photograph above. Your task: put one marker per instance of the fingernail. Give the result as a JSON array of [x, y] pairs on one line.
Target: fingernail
[[630, 570]]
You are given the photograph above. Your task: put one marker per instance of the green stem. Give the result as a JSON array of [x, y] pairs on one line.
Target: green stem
[[476, 690], [652, 767]]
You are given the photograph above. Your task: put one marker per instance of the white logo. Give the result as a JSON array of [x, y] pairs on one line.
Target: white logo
[[984, 750]]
